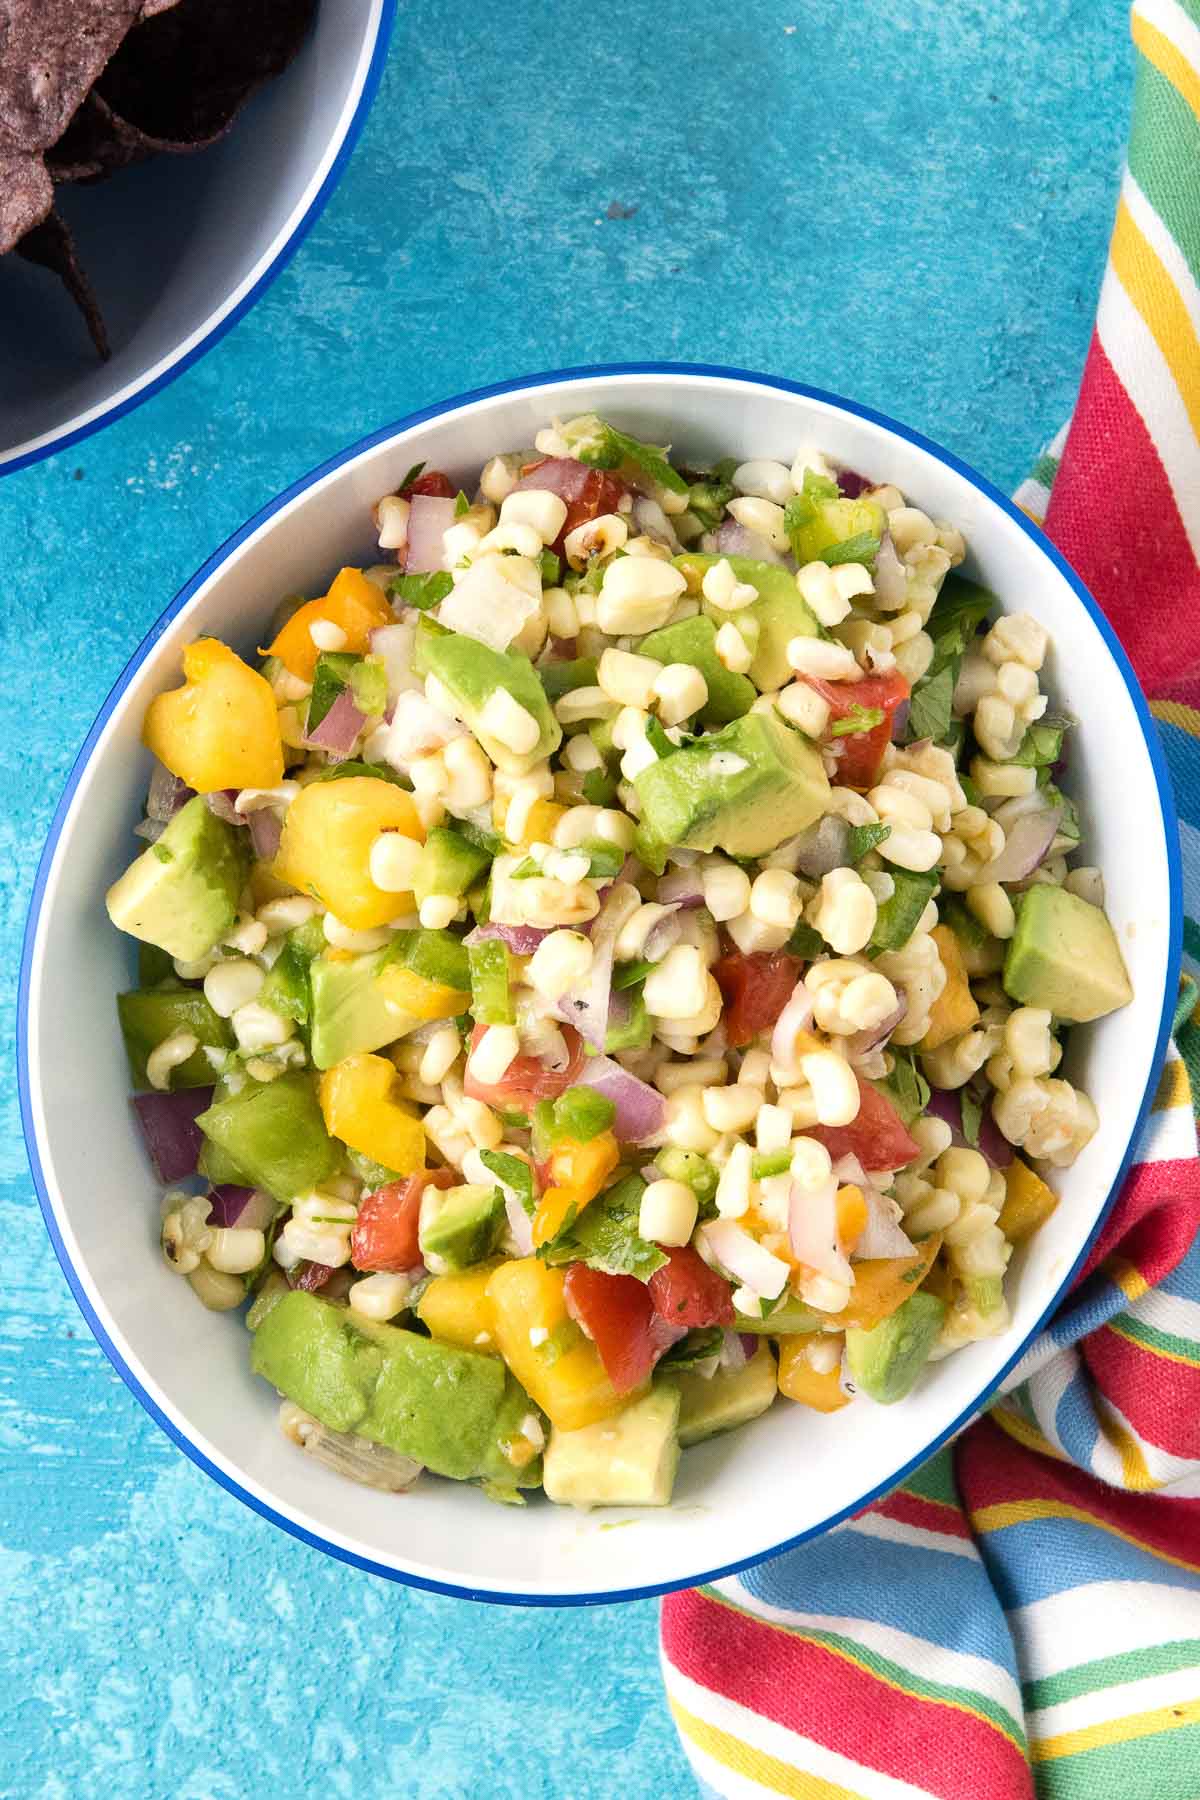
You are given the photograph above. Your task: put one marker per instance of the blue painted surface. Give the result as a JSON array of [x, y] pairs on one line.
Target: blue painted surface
[[906, 203]]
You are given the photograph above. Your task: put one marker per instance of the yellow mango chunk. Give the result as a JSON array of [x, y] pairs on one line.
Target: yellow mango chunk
[[354, 604], [884, 1283], [540, 821], [361, 1107], [418, 996], [221, 729], [577, 1173], [1029, 1202], [325, 850], [458, 1308], [798, 1380], [556, 1365], [955, 1009]]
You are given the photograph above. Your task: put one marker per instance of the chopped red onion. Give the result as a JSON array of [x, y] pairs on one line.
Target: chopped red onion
[[662, 1334], [519, 1223], [795, 1017], [429, 518], [662, 936], [650, 1172], [586, 1007], [227, 1204], [522, 940], [641, 1109], [823, 847], [394, 645], [900, 721], [168, 1124], [681, 886], [266, 829], [310, 1276], [653, 522], [852, 484], [338, 731], [734, 1356], [812, 1231], [946, 1104], [166, 794], [564, 649], [732, 539], [1028, 837], [743, 1258], [150, 829], [891, 582], [882, 1235], [222, 802], [864, 1041]]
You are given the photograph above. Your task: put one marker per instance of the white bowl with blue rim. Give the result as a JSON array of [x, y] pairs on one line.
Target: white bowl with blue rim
[[792, 1473], [178, 248]]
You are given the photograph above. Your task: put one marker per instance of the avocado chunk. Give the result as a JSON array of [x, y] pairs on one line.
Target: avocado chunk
[[694, 641], [150, 1015], [460, 1226], [1064, 956], [349, 1012], [727, 1399], [447, 865], [743, 789], [457, 1412], [288, 987], [791, 1317], [471, 672], [779, 613], [275, 1134], [885, 1361], [833, 523], [628, 1459], [182, 892]]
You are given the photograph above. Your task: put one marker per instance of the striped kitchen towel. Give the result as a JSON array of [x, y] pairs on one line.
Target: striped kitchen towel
[[1022, 1617]]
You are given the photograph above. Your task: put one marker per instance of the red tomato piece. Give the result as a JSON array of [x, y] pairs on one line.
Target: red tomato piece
[[755, 989], [385, 1231], [618, 1315], [877, 1136], [587, 492], [526, 1080], [687, 1292], [431, 482], [861, 752]]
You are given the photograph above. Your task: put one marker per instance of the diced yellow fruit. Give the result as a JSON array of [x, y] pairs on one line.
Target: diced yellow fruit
[[361, 1108], [540, 822], [328, 832], [556, 1365], [221, 729], [798, 1380], [955, 1009], [354, 604], [458, 1308], [885, 1283], [1029, 1202], [576, 1174], [417, 995]]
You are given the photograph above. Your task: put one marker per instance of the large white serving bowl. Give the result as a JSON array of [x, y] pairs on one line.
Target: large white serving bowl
[[179, 247], [792, 1473]]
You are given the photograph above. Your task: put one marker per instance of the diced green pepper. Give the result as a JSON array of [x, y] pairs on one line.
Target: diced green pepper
[[694, 1170], [633, 1031], [435, 955], [579, 1115], [288, 987], [150, 1015], [898, 916], [274, 1131], [491, 995], [154, 966], [559, 678], [448, 864]]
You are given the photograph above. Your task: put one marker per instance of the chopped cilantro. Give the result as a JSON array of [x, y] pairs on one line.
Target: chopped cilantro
[[859, 718], [421, 591], [605, 1236], [863, 838], [461, 504], [863, 548]]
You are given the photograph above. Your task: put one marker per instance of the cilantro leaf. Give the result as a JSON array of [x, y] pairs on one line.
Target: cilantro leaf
[[862, 838], [805, 942], [958, 611], [605, 1235], [695, 1348], [513, 1174], [906, 1088], [1068, 824], [414, 474], [602, 446], [551, 568], [461, 504], [1041, 747], [859, 718], [972, 1113], [421, 591], [863, 548], [931, 707], [657, 738]]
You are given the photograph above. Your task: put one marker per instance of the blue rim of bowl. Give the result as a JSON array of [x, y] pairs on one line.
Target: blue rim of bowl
[[1175, 881], [284, 255]]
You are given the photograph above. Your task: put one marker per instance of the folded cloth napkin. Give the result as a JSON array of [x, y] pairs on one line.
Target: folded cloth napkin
[[1022, 1617]]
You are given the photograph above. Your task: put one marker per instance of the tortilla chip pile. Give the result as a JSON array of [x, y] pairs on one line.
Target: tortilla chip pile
[[89, 86]]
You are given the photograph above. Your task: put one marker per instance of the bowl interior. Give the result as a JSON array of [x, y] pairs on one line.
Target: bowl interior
[[792, 1471], [175, 246]]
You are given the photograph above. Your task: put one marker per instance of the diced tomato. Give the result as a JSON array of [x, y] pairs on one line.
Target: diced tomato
[[755, 989], [587, 492], [861, 752], [526, 1080], [687, 1292], [385, 1231], [618, 1315], [877, 1136], [431, 482]]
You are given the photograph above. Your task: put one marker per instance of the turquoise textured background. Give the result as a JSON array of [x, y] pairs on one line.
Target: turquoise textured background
[[903, 201]]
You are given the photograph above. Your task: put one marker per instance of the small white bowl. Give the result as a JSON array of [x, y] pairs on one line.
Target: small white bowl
[[792, 1473], [178, 248]]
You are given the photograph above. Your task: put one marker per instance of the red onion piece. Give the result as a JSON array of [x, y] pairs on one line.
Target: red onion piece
[[266, 829], [227, 1204], [522, 940], [150, 829], [946, 1104], [653, 522], [429, 518], [222, 802], [900, 721], [663, 1334], [734, 1356], [863, 1041], [586, 1007], [812, 1231], [881, 1236], [823, 847], [732, 539], [641, 1109], [519, 1223], [166, 794], [795, 1017], [563, 649], [852, 484], [338, 731], [1029, 836], [743, 1258], [891, 583], [168, 1124], [310, 1276], [680, 886]]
